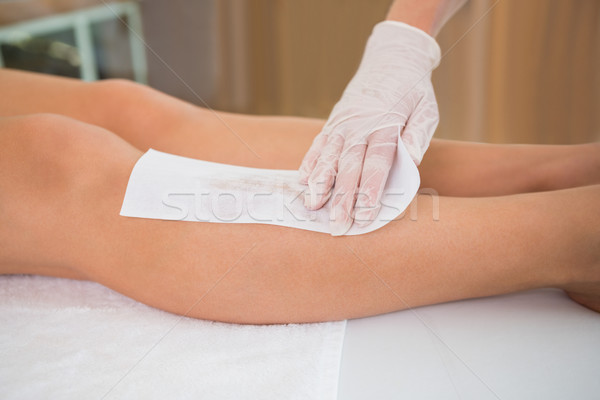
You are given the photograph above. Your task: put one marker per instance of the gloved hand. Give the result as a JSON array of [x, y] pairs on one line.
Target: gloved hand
[[390, 95]]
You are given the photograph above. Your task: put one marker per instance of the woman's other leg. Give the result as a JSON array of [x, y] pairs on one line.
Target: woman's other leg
[[61, 187], [451, 168], [147, 118], [477, 169]]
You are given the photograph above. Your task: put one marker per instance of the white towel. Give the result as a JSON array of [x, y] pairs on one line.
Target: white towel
[[65, 339]]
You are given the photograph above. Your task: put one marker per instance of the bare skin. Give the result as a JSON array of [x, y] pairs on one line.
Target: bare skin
[[63, 175], [427, 15]]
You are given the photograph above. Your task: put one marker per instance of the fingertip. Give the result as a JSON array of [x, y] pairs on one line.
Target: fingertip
[[340, 221], [303, 177], [315, 198], [320, 185], [340, 228], [304, 172], [361, 224], [313, 195], [365, 217], [307, 200], [362, 218]]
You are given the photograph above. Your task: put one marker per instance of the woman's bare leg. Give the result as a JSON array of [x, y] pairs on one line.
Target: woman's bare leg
[[61, 187], [477, 169], [147, 118]]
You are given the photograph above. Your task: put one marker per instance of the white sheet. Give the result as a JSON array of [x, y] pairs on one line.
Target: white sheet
[[64, 339], [531, 345]]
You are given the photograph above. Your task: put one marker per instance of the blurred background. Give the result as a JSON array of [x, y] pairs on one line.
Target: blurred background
[[512, 71]]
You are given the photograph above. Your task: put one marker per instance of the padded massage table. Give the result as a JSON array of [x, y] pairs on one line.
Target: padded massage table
[[531, 345], [69, 340]]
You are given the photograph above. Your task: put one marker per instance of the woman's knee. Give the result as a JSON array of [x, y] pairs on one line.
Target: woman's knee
[[125, 99], [135, 111], [119, 91], [49, 149], [36, 138]]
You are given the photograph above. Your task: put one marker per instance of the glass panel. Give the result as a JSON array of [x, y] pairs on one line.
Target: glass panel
[[112, 49], [53, 53]]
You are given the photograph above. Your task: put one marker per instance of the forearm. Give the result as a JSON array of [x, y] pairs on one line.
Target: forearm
[[427, 15]]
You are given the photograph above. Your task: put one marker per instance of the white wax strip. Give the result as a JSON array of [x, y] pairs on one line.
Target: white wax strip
[[170, 187]]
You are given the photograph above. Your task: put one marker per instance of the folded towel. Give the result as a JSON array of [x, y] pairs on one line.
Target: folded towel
[[66, 339]]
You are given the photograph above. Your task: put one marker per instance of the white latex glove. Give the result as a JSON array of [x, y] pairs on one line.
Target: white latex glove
[[390, 95]]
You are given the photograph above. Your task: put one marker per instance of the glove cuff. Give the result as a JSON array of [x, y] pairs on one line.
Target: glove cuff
[[396, 31]]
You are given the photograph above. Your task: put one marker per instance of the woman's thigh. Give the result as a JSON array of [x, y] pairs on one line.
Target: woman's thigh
[[146, 118], [55, 175]]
